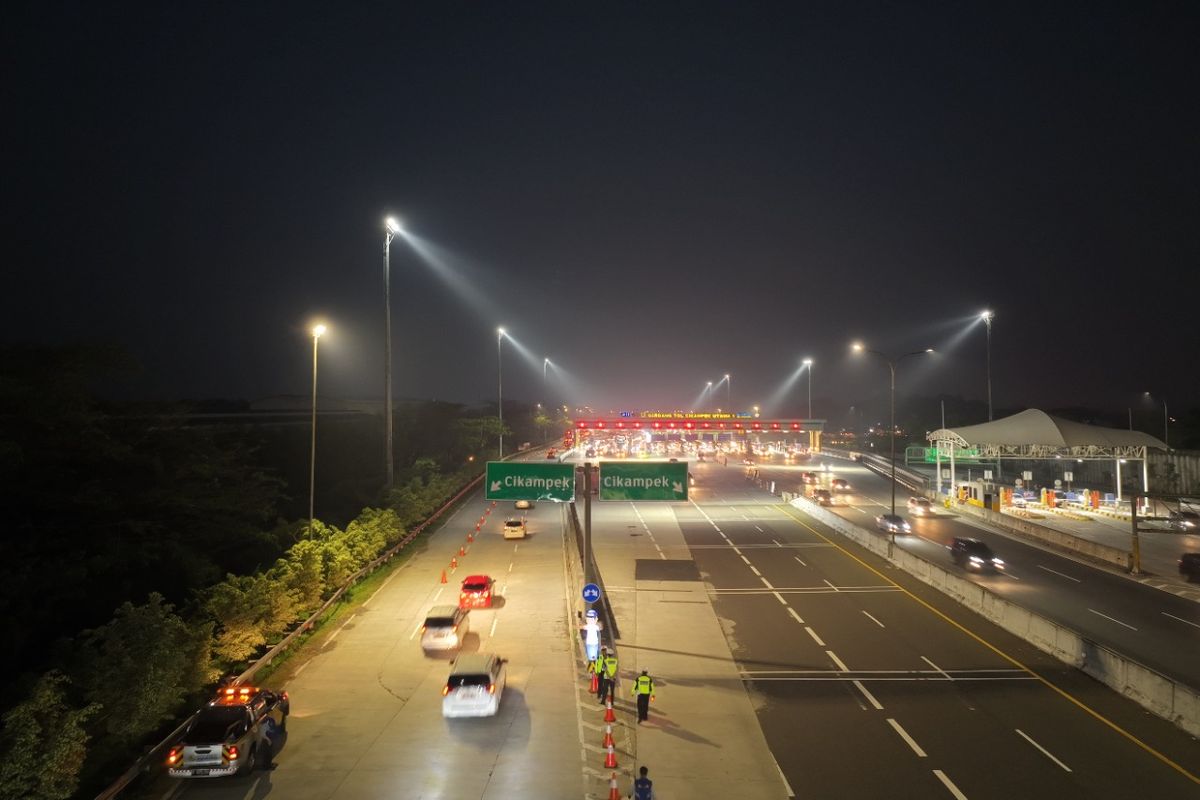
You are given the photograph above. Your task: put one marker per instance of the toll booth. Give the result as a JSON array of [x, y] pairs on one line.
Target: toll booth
[[981, 494]]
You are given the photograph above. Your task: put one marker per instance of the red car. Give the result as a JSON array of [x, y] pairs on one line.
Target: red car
[[476, 592]]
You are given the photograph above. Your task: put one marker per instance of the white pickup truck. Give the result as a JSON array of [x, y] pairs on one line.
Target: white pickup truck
[[229, 734]]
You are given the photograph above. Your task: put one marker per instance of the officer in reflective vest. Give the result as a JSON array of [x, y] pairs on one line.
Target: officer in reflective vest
[[608, 674], [643, 689]]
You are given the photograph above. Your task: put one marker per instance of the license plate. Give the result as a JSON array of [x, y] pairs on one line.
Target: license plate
[[200, 772]]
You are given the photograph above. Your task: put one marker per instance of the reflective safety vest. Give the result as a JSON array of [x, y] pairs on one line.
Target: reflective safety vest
[[598, 665], [610, 666], [643, 789], [644, 685]]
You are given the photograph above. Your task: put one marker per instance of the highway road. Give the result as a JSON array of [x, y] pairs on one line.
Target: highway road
[[1154, 627], [870, 684]]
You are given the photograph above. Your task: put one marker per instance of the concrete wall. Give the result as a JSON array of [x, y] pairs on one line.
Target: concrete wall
[[1052, 538], [1172, 701]]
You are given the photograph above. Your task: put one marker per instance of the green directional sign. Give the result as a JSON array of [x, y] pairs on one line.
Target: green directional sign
[[644, 480], [523, 480]]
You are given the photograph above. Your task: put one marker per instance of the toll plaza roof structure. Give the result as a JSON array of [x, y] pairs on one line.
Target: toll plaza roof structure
[[1035, 434], [699, 423]]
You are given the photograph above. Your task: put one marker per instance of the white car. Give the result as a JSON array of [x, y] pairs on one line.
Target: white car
[[919, 506], [475, 686], [445, 628], [514, 528]]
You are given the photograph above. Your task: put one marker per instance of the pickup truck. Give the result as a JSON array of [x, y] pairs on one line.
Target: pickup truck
[[229, 734]]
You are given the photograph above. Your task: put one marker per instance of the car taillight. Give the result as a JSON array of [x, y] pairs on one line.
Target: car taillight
[[422, 629], [491, 688], [231, 752], [173, 756], [445, 690], [453, 628], [485, 593]]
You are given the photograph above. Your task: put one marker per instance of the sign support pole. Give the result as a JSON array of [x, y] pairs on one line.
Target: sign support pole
[[587, 522]]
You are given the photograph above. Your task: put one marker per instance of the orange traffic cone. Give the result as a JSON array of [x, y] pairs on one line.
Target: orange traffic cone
[[489, 511], [613, 792], [453, 563], [610, 759], [595, 682], [609, 716], [493, 504], [608, 740], [470, 537], [443, 576], [462, 551]]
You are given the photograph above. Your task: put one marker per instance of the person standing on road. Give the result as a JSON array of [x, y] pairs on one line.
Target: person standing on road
[[597, 667], [608, 675], [643, 787], [643, 689], [591, 635]]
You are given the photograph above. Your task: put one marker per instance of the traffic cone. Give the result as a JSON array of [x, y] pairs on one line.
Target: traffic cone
[[453, 563], [462, 551], [609, 716], [595, 682], [613, 792], [470, 537], [610, 758], [608, 740], [489, 511], [443, 576]]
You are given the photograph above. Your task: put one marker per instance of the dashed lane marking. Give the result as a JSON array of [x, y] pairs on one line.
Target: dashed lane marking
[[870, 697], [1178, 619], [813, 634], [877, 622], [908, 739], [1111, 619], [1059, 574], [833, 657], [937, 668], [1043, 750], [949, 784], [801, 562], [792, 611]]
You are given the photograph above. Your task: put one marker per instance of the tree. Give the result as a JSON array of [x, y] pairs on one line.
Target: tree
[[139, 668], [44, 743]]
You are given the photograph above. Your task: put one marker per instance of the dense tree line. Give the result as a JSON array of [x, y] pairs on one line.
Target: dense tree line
[[177, 527]]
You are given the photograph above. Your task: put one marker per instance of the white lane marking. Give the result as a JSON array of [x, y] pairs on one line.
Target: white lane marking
[[416, 630], [510, 566], [492, 632], [1044, 751], [1059, 574], [300, 668], [779, 597], [767, 583], [837, 661], [438, 593], [736, 550], [830, 585], [813, 634], [949, 784], [870, 697], [380, 589], [937, 668], [801, 562], [792, 611], [904, 735], [1184, 621], [760, 530], [755, 570], [1107, 617], [777, 543], [745, 559], [786, 785], [877, 622]]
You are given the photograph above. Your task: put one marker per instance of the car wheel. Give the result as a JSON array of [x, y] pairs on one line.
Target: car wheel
[[248, 767]]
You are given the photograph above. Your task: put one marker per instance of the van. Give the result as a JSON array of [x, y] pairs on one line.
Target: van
[[474, 686], [445, 628]]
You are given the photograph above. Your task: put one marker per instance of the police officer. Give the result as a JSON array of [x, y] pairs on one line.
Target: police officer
[[643, 787], [643, 689], [598, 668], [608, 674]]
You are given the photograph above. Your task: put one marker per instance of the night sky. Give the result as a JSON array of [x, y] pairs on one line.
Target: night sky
[[651, 197]]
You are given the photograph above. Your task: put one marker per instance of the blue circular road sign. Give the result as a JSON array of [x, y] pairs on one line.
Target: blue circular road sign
[[591, 593]]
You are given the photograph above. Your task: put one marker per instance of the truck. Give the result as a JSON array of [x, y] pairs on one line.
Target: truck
[[229, 734]]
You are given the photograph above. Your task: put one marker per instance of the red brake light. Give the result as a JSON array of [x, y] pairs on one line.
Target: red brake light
[[173, 756], [491, 688], [231, 752], [423, 628]]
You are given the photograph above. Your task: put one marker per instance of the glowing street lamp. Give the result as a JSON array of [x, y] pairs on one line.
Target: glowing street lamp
[[987, 317], [500, 334], [391, 228], [808, 363], [858, 347], [317, 332], [728, 391]]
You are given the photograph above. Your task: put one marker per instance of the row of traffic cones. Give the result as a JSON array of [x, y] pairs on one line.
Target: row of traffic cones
[[462, 549]]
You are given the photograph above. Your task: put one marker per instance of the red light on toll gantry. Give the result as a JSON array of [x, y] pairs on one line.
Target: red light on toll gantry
[[620, 424], [704, 424], [600, 424], [581, 424], [671, 425], [637, 425], [689, 425], [721, 425], [774, 426], [737, 424], [658, 425], [757, 425], [795, 426]]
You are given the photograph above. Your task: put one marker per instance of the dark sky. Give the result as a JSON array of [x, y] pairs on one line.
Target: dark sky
[[651, 197]]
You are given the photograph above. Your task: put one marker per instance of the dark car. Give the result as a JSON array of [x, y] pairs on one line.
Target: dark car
[[840, 485], [1186, 521], [1189, 566], [974, 554], [823, 497], [892, 523]]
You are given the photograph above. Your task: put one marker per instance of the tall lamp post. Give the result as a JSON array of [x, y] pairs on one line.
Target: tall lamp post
[[891, 363], [708, 390], [317, 332], [808, 362], [391, 228], [1166, 421], [729, 392], [545, 363], [987, 317], [500, 334]]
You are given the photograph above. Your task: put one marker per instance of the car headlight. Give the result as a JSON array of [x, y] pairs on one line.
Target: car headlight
[[976, 560], [998, 563]]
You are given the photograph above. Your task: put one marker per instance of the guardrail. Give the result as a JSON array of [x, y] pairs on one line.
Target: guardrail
[[155, 754], [1175, 702]]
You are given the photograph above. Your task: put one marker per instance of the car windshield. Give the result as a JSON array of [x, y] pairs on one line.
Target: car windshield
[[513, 523], [978, 549], [893, 518], [474, 587], [215, 724], [439, 622], [468, 680]]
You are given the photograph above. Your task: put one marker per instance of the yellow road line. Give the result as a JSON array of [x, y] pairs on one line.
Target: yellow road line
[[790, 511]]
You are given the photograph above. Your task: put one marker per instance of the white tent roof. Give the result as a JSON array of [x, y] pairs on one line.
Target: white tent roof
[[1033, 427]]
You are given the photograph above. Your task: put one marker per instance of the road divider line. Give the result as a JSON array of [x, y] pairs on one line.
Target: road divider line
[[1111, 619], [792, 611], [830, 585], [833, 657], [877, 622], [936, 668], [760, 530], [1178, 619], [949, 784], [779, 597], [492, 632], [1059, 574], [801, 562], [415, 630], [755, 570], [908, 739], [813, 634], [745, 559], [870, 697], [1043, 750], [767, 583]]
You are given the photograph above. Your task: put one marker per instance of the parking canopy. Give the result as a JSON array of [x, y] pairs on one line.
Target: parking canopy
[[1036, 434]]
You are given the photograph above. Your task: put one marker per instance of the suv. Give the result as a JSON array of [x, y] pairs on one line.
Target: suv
[[225, 736], [445, 628], [1189, 566], [823, 497], [892, 523], [475, 685], [919, 506], [514, 528], [808, 477], [840, 485], [974, 554]]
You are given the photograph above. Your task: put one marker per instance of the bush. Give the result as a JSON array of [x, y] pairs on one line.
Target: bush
[[44, 743]]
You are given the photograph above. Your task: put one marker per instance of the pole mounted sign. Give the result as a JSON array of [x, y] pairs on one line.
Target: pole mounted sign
[[517, 480], [646, 481]]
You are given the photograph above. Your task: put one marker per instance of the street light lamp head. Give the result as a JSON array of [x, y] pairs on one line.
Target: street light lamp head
[[808, 362], [928, 349], [318, 331], [500, 332], [726, 376], [710, 384], [987, 315], [857, 347], [393, 225]]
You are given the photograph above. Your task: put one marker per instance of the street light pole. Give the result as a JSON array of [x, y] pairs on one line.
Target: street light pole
[[545, 363], [500, 385], [729, 392], [891, 363], [391, 229], [988, 316], [708, 390], [312, 460], [808, 362]]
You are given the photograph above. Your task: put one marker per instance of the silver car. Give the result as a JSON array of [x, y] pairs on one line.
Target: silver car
[[474, 686], [445, 628]]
